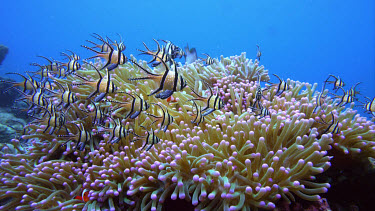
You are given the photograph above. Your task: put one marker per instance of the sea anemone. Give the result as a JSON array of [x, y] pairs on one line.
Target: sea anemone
[[234, 160]]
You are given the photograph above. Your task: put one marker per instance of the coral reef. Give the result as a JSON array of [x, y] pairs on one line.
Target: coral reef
[[3, 52], [235, 160], [12, 120], [7, 94], [9, 125]]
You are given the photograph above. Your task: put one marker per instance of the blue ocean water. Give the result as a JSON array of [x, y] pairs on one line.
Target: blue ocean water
[[303, 40]]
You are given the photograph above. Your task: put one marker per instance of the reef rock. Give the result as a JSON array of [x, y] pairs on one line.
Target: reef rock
[[8, 103], [3, 52], [9, 125], [7, 96]]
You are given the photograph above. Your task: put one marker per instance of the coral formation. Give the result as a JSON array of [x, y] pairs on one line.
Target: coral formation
[[10, 119], [7, 96], [3, 52], [9, 125], [235, 160]]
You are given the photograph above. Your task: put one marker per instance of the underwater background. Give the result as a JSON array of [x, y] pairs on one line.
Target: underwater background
[[305, 40]]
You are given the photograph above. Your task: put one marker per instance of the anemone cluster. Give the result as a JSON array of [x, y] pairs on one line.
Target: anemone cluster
[[119, 158]]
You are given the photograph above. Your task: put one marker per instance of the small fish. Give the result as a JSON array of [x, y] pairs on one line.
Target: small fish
[[337, 82], [84, 197], [208, 60], [74, 56], [134, 108], [352, 90], [258, 94], [180, 53], [263, 111], [112, 56], [369, 106], [105, 47], [50, 107], [82, 137], [61, 73], [119, 132], [159, 55], [165, 119], [43, 72], [169, 82], [213, 102], [72, 65], [259, 53], [55, 120], [199, 118], [99, 115], [345, 98], [320, 99], [335, 124], [150, 139], [37, 98], [121, 45], [52, 122], [52, 66], [171, 49], [282, 86], [27, 85], [171, 99], [102, 86], [190, 55], [67, 97]]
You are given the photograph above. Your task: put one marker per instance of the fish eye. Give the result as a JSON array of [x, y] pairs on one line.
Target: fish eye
[[147, 105], [121, 47]]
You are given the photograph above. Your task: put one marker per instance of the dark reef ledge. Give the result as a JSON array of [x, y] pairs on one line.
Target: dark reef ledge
[[3, 52]]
